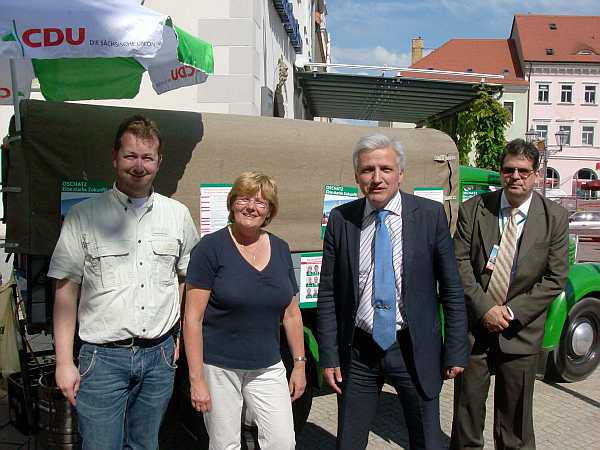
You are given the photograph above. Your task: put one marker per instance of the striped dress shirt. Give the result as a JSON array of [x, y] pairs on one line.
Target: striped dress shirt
[[364, 314]]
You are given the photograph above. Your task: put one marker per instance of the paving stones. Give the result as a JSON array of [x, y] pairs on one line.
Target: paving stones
[[566, 417]]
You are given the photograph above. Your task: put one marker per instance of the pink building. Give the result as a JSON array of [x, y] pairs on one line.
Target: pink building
[[560, 56]]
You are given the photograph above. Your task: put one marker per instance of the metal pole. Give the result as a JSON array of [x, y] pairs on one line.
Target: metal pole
[[15, 95], [545, 170]]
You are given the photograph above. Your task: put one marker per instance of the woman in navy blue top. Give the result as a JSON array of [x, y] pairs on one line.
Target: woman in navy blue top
[[240, 287]]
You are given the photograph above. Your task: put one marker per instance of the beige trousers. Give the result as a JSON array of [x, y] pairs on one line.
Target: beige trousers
[[264, 393]]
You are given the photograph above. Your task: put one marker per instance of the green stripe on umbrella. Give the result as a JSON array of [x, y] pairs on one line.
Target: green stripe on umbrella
[[88, 78]]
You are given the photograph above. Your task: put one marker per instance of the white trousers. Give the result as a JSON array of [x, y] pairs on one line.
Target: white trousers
[[265, 394]]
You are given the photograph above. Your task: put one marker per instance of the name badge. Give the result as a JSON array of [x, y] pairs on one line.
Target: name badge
[[491, 263]]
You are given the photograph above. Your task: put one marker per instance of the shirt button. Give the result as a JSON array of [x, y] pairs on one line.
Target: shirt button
[[126, 208], [142, 285], [144, 330], [142, 307], [141, 263], [139, 241]]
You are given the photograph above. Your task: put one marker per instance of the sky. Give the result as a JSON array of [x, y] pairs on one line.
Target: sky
[[371, 32]]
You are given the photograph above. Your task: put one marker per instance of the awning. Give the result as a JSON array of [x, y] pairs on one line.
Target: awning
[[591, 185], [394, 99]]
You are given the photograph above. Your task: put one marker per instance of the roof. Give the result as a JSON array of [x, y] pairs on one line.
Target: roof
[[394, 99], [565, 36], [493, 56]]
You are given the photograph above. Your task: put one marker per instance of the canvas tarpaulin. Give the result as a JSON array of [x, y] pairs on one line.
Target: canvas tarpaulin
[[64, 141]]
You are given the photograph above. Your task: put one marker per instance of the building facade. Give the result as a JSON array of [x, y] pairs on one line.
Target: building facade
[[560, 57], [258, 45], [487, 56]]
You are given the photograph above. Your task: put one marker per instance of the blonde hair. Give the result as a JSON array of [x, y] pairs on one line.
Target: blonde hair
[[248, 184]]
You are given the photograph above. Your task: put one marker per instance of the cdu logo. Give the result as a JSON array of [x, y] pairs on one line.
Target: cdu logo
[[52, 37], [182, 72]]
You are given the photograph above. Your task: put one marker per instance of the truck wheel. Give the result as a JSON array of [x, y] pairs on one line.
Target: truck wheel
[[578, 353]]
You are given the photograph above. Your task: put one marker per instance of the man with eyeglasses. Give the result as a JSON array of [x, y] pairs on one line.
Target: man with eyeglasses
[[512, 251]]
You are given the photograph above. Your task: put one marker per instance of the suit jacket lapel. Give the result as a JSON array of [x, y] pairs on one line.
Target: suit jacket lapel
[[489, 214], [535, 220], [409, 234], [353, 243]]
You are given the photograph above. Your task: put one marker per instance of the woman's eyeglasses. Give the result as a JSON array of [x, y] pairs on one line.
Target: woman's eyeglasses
[[245, 201]]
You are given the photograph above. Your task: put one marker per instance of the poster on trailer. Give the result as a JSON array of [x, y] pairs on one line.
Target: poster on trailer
[[213, 207], [75, 191], [335, 196], [310, 274]]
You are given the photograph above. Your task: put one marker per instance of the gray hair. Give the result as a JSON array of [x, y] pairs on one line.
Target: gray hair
[[375, 142]]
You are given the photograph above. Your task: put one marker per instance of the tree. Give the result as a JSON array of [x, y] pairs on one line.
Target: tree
[[483, 124]]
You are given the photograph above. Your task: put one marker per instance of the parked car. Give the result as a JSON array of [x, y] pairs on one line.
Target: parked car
[[586, 224]]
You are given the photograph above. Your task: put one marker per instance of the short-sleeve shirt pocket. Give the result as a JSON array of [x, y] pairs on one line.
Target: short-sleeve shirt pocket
[[166, 254]]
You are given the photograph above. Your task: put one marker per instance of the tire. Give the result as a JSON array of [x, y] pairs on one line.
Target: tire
[[578, 352]]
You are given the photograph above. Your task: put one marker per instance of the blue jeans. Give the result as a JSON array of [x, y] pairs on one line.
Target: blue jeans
[[123, 395]]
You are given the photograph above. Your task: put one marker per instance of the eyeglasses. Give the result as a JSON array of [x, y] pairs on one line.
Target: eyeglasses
[[245, 201], [523, 173]]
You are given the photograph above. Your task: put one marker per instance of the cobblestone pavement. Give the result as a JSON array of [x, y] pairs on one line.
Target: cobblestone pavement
[[566, 417]]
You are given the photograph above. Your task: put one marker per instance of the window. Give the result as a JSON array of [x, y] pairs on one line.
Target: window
[[566, 93], [552, 178], [590, 95], [509, 107], [567, 129], [543, 93], [542, 131], [587, 136]]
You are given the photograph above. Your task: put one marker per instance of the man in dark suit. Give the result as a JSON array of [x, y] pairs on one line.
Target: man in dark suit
[[388, 263], [512, 251]]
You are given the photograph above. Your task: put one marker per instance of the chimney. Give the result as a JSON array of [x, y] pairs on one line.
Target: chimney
[[417, 49]]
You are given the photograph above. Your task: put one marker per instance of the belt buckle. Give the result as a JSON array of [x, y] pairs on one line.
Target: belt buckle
[[127, 345]]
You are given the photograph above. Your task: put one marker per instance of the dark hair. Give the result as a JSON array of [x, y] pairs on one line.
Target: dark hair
[[519, 147], [141, 127]]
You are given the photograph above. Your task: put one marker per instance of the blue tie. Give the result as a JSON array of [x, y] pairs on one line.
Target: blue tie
[[384, 286]]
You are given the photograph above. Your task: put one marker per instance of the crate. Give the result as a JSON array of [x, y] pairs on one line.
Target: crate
[[17, 411]]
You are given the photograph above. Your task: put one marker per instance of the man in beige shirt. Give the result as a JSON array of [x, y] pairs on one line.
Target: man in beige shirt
[[121, 254]]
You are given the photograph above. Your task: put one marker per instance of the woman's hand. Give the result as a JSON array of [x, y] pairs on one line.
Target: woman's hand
[[297, 382], [200, 396]]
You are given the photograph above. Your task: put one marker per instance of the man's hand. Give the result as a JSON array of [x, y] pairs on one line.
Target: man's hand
[[452, 372], [200, 396], [496, 319], [67, 380], [297, 383], [333, 376]]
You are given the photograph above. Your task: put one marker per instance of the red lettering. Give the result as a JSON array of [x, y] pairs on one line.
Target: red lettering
[[4, 92], [182, 72], [58, 35], [27, 37], [80, 36]]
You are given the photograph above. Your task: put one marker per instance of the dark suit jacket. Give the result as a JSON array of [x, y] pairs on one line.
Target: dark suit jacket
[[428, 259], [541, 271]]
